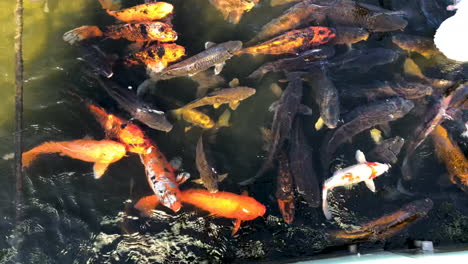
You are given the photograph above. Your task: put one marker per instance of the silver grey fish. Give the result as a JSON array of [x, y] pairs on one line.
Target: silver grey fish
[[214, 55], [208, 175], [387, 151]]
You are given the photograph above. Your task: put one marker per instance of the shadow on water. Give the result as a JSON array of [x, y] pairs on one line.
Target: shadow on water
[[72, 218]]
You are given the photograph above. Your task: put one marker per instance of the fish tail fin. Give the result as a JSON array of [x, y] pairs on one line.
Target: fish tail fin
[[110, 4], [81, 33], [146, 204], [325, 208], [47, 147]]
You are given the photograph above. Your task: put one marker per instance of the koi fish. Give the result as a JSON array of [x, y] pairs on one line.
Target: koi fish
[[97, 61], [326, 97], [364, 59], [412, 43], [129, 134], [127, 100], [157, 57], [232, 10], [225, 204], [301, 62], [362, 172], [146, 31], [209, 177], [292, 18], [285, 110], [161, 177], [302, 165], [231, 96], [102, 153], [454, 159], [143, 13], [381, 90], [285, 188], [293, 41], [213, 55], [387, 225], [349, 35]]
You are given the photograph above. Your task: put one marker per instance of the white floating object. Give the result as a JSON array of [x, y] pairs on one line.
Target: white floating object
[[451, 38]]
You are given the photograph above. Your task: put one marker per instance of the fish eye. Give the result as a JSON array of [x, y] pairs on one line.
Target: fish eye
[[161, 29], [123, 126], [321, 32]]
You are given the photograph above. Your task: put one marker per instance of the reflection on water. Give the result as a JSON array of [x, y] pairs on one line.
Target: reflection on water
[[69, 216]]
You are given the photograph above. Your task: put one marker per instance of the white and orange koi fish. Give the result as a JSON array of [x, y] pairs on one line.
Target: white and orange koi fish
[[362, 172]]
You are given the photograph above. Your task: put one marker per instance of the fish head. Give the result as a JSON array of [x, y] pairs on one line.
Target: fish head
[[244, 92], [387, 22], [247, 5], [379, 168], [249, 208], [419, 207], [168, 194], [112, 152], [322, 35], [232, 46], [287, 210], [130, 134], [153, 118], [161, 31], [403, 106]]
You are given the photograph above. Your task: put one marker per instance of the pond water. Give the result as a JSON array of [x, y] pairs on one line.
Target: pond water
[[69, 217]]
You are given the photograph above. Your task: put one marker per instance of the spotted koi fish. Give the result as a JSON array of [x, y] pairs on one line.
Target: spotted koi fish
[[146, 31], [143, 12], [293, 41], [364, 171], [161, 177]]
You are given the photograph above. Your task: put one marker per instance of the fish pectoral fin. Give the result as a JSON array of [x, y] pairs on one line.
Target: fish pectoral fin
[[376, 135], [234, 83], [187, 129], [223, 120], [216, 106], [218, 68], [222, 177], [99, 169], [209, 44], [234, 104], [146, 205], [370, 184], [319, 124], [236, 227], [198, 181], [304, 110], [176, 163], [360, 157]]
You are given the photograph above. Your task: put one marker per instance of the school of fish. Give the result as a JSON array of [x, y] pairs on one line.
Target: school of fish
[[311, 44]]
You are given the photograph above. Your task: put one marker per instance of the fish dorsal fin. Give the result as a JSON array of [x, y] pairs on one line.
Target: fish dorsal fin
[[198, 181], [360, 157], [99, 169], [209, 44], [222, 177], [370, 184], [234, 83]]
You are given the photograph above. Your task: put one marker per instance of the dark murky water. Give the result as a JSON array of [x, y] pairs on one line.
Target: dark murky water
[[71, 218]]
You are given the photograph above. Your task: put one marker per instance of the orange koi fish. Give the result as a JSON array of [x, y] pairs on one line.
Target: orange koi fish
[[146, 31], [143, 12], [364, 171], [157, 57], [161, 177], [454, 159], [293, 41], [387, 225], [233, 10], [129, 134], [102, 153], [225, 204], [222, 204]]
